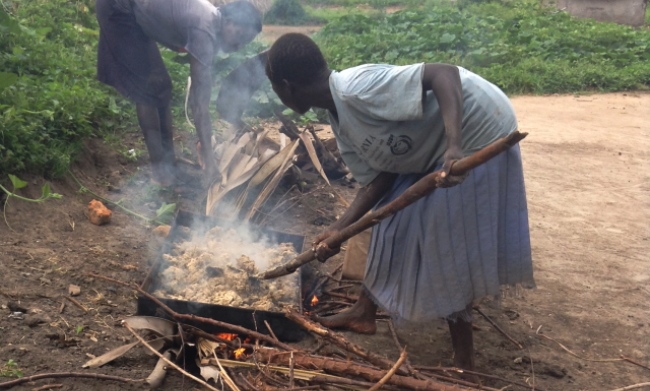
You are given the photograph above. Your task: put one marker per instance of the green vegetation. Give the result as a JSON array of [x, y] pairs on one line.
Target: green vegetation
[[10, 370], [50, 99], [288, 13], [17, 183], [522, 47]]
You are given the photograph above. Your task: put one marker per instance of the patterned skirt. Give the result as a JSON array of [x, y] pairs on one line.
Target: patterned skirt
[[453, 247]]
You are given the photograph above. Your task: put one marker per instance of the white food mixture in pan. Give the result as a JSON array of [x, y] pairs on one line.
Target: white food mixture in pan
[[220, 268]]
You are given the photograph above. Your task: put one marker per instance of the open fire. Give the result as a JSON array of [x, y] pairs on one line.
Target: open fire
[[314, 301], [226, 336]]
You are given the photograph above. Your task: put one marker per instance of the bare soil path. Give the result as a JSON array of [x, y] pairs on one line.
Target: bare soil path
[[588, 183]]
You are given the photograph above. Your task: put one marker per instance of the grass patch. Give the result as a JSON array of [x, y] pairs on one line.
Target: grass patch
[[289, 13], [520, 46]]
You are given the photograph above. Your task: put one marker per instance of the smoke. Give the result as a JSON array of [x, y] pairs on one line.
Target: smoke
[[238, 88], [219, 265]]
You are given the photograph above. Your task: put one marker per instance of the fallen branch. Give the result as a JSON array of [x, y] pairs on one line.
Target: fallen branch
[[268, 326], [633, 387], [157, 353], [47, 387], [248, 384], [390, 373], [483, 375], [499, 329], [338, 288], [634, 362], [75, 302], [177, 316], [349, 382], [420, 189], [393, 333], [575, 355], [353, 298], [340, 341], [343, 368], [97, 376]]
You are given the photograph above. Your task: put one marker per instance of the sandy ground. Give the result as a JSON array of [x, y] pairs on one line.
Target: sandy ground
[[586, 166], [271, 33]]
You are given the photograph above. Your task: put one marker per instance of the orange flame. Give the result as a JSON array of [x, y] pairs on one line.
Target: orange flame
[[314, 301], [227, 336], [239, 352]]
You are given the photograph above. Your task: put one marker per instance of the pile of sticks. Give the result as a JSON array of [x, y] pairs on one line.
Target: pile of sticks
[[270, 364]]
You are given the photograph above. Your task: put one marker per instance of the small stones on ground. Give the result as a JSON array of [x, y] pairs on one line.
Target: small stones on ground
[[518, 360], [554, 370], [36, 319], [162, 230], [74, 290], [16, 307], [98, 213], [17, 315]]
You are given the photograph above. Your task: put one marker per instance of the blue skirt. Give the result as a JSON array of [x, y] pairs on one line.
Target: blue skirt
[[453, 247]]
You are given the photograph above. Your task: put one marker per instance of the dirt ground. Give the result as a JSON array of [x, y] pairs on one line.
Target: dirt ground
[[271, 33], [586, 166]]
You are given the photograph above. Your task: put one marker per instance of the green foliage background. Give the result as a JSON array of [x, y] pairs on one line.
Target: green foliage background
[[288, 13], [50, 99], [521, 47]]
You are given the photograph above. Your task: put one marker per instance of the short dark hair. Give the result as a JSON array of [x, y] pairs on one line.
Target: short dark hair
[[242, 13], [295, 58]]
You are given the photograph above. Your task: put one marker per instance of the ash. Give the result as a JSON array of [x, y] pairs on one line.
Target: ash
[[220, 268]]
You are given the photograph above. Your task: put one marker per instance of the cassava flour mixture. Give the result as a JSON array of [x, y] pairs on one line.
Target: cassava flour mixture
[[220, 268]]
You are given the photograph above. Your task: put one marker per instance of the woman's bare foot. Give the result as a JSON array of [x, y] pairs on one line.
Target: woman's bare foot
[[359, 318]]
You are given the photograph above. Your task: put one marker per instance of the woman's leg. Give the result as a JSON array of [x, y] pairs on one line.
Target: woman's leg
[[149, 121], [167, 135], [462, 341], [360, 317]]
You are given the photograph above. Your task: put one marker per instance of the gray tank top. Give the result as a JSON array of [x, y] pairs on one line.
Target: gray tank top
[[192, 25]]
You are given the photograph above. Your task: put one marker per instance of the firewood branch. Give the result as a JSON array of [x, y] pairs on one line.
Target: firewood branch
[[418, 190], [10, 384], [177, 316]]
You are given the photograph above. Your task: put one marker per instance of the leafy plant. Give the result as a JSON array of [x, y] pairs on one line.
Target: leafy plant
[[287, 13], [166, 212], [10, 370], [304, 119], [17, 184], [521, 46], [79, 329]]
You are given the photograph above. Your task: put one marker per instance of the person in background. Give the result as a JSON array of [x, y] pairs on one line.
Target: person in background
[[393, 125], [128, 59]]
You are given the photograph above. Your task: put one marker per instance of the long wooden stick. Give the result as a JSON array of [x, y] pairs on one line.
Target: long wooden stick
[[157, 353], [499, 329], [633, 387], [341, 342], [10, 384], [177, 316], [393, 333], [350, 382], [370, 374], [78, 304], [418, 190], [479, 374], [390, 373]]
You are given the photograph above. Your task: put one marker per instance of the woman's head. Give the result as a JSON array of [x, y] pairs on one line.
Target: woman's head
[[295, 61], [241, 22]]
